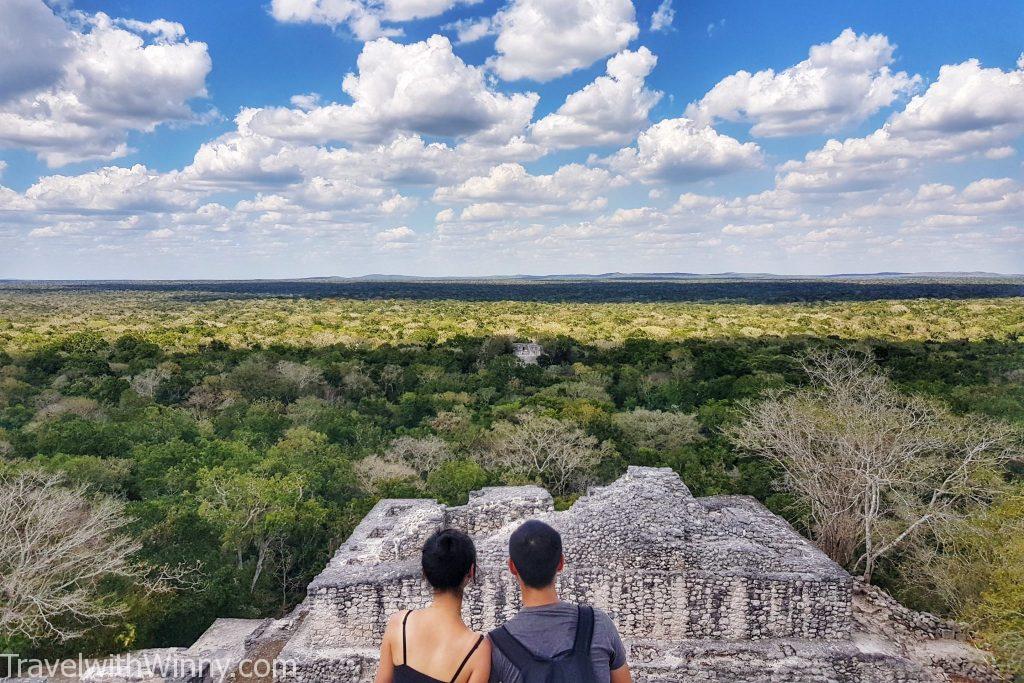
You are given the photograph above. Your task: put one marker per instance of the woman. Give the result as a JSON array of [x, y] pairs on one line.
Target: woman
[[434, 645]]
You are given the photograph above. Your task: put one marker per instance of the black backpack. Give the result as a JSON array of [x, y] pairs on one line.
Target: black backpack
[[571, 666]]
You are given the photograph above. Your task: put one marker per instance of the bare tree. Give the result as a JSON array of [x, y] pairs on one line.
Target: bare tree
[[875, 467], [657, 429], [423, 455], [373, 471], [557, 453], [57, 545]]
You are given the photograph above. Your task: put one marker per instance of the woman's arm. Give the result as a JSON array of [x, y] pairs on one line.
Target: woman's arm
[[386, 670]]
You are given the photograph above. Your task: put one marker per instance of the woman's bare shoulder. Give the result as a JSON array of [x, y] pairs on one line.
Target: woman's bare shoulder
[[395, 622], [483, 650], [480, 662]]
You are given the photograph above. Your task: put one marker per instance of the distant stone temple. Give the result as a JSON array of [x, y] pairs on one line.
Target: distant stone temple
[[702, 590], [527, 352]]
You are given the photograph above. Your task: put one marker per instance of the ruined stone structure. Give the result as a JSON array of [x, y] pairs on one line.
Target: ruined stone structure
[[527, 352], [702, 589]]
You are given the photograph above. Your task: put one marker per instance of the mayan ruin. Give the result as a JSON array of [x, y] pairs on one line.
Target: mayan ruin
[[702, 589]]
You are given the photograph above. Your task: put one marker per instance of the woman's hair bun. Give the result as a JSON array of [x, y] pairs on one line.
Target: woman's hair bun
[[448, 557]]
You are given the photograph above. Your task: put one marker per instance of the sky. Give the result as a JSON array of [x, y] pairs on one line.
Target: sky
[[296, 138]]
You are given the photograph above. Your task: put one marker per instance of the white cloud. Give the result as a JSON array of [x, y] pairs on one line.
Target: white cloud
[[967, 110], [509, 192], [362, 17], [839, 84], [751, 230], [679, 150], [242, 160], [402, 237], [397, 204], [109, 77], [966, 99], [12, 201], [663, 17], [609, 110], [110, 190], [34, 46], [770, 206], [471, 30], [421, 87], [305, 101], [511, 183], [545, 39], [363, 23], [935, 205]]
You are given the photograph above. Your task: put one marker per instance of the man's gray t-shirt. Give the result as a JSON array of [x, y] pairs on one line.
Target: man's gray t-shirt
[[549, 630]]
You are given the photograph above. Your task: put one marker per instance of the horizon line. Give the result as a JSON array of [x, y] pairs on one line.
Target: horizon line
[[528, 276]]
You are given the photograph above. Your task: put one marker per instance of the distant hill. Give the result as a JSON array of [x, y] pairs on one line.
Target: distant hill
[[557, 277]]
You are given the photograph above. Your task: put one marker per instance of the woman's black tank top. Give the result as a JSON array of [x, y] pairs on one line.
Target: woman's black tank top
[[406, 674]]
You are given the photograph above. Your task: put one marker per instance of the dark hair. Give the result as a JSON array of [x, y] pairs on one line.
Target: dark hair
[[535, 549], [448, 556]]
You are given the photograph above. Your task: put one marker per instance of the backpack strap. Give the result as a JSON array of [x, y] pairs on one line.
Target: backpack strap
[[516, 653], [584, 631]]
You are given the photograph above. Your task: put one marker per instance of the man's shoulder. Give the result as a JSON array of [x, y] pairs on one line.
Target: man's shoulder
[[561, 612], [603, 622], [601, 616]]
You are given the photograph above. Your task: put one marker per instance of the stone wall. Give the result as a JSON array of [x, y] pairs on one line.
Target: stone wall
[[714, 589]]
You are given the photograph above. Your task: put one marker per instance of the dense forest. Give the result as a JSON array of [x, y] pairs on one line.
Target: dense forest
[[244, 436]]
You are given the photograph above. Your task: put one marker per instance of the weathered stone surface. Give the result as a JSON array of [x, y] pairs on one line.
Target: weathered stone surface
[[702, 590], [223, 646]]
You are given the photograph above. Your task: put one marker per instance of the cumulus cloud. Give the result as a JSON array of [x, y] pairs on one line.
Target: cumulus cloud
[[510, 191], [512, 183], [967, 110], [402, 237], [679, 150], [421, 87], [545, 39], [936, 205], [967, 99], [362, 17], [103, 78], [110, 189], [610, 110], [243, 159], [839, 84], [34, 46]]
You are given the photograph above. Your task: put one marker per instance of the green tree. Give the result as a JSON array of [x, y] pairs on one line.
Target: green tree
[[255, 511], [452, 481]]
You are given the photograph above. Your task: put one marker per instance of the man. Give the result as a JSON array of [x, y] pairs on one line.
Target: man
[[550, 639]]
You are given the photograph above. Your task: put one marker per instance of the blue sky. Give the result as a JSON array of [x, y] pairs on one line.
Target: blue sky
[[194, 139]]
